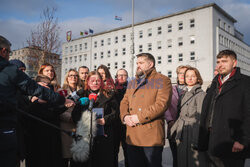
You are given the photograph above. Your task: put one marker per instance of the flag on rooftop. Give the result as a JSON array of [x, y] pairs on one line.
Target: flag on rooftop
[[86, 32], [118, 18], [81, 33], [91, 31]]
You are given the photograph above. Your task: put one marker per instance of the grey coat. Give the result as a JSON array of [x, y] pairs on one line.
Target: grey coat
[[187, 128]]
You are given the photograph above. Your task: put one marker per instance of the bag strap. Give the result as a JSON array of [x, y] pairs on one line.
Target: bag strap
[[188, 100]]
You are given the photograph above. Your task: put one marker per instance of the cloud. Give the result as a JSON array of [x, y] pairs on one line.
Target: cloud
[[77, 25], [241, 12], [25, 7], [16, 31]]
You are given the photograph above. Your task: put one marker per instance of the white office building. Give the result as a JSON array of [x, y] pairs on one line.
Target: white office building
[[192, 37]]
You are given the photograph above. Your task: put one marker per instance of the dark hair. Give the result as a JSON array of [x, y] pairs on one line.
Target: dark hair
[[42, 78], [148, 56], [106, 70], [83, 67], [227, 53], [197, 73], [4, 43], [109, 85]]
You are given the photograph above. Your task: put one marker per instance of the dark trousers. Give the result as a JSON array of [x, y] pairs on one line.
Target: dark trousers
[[117, 148], [144, 156], [8, 148], [173, 147], [226, 162]]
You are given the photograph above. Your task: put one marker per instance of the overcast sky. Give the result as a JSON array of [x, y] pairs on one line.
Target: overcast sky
[[18, 17]]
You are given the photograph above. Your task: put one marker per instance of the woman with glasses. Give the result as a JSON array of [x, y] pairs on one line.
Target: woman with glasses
[[71, 84], [102, 153], [186, 127]]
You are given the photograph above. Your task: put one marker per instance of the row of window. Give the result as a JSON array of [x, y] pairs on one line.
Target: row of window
[[224, 26], [232, 45], [140, 35], [180, 58], [74, 59], [115, 65], [149, 33], [149, 46], [76, 48]]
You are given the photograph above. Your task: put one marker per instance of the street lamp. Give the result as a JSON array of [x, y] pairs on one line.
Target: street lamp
[[132, 47]]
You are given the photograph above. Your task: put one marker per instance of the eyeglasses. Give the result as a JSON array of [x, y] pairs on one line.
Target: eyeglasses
[[122, 75], [71, 76]]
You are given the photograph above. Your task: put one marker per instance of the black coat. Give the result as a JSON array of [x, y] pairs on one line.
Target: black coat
[[12, 80], [102, 151], [231, 117], [120, 129], [43, 142]]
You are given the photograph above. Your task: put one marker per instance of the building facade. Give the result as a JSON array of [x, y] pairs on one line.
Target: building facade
[[29, 56], [192, 37]]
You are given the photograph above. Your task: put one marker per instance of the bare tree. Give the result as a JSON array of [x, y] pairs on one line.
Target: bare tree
[[44, 39]]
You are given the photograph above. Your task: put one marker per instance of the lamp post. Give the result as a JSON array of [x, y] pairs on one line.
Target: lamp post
[[132, 47]]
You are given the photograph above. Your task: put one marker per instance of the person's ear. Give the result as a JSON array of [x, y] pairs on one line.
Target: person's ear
[[234, 63]]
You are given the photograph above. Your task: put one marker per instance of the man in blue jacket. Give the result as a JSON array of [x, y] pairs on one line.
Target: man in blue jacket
[[225, 117], [11, 80]]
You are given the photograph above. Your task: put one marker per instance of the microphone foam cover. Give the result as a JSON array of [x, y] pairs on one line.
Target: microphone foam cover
[[84, 101]]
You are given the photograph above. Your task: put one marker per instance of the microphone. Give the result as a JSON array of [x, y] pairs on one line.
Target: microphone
[[83, 101], [74, 96], [92, 98], [63, 93]]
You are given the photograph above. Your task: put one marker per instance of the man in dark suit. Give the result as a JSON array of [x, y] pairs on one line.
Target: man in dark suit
[[225, 117]]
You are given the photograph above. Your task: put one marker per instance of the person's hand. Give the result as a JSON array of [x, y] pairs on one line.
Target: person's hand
[[128, 121], [43, 84], [101, 121], [34, 98], [69, 103], [135, 119], [237, 147]]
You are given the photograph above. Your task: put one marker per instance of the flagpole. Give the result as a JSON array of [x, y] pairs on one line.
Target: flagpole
[[132, 39]]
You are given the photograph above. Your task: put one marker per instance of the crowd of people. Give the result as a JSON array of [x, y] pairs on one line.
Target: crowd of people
[[204, 128]]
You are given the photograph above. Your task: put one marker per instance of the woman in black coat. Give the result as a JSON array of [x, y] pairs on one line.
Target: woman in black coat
[[102, 153], [43, 142]]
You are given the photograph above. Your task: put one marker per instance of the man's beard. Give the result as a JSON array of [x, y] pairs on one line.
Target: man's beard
[[139, 72]]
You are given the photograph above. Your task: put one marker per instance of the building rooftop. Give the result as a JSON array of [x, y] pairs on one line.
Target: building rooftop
[[163, 17]]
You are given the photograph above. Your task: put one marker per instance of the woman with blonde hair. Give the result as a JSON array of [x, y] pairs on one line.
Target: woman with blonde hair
[[71, 84], [48, 70]]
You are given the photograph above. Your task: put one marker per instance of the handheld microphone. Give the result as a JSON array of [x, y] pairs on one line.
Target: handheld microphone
[[74, 96], [83, 101], [92, 98], [63, 93]]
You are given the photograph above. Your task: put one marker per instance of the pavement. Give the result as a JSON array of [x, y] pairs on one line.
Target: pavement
[[166, 157]]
